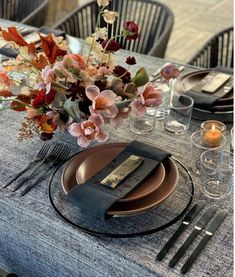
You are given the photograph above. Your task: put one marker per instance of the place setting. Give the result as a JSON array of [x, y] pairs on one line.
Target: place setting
[[212, 91], [126, 208]]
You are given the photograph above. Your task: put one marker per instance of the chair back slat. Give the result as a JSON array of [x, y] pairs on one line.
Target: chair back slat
[[155, 21], [218, 51], [31, 12]]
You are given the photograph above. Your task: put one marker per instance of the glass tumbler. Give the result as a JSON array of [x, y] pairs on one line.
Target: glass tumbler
[[179, 118], [216, 175], [198, 146], [143, 124]]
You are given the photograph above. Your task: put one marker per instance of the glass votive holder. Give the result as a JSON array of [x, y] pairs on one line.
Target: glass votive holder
[[216, 175], [179, 118], [210, 124], [143, 124], [198, 146]]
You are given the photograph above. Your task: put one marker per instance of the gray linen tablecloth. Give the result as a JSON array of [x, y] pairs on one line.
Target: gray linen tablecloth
[[34, 242]]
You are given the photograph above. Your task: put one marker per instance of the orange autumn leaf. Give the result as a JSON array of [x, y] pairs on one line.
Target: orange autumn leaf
[[39, 63], [46, 124], [15, 36], [20, 107], [50, 48]]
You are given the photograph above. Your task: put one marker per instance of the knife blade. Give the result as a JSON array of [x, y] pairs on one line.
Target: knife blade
[[197, 228], [214, 225], [183, 226]]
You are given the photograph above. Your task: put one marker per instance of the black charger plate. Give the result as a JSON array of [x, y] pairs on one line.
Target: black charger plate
[[159, 218]]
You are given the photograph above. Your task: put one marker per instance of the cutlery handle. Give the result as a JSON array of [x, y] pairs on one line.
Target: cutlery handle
[[19, 174], [26, 178], [171, 242], [183, 248], [195, 254], [34, 183]]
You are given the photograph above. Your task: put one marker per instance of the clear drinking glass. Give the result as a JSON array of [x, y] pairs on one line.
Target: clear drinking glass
[[198, 146], [143, 124], [216, 174], [179, 118]]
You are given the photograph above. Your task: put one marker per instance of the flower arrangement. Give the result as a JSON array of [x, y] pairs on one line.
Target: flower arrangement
[[74, 92]]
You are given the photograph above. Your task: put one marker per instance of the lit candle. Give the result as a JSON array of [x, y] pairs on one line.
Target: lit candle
[[212, 137]]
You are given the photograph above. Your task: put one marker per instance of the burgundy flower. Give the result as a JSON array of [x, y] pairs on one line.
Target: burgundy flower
[[110, 45], [122, 73], [130, 30], [50, 96], [46, 136], [119, 70], [101, 84], [131, 60]]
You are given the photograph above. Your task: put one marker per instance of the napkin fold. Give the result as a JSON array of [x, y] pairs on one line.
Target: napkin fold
[[206, 101], [94, 198]]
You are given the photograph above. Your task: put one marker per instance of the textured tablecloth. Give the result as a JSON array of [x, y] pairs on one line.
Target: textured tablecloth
[[34, 242]]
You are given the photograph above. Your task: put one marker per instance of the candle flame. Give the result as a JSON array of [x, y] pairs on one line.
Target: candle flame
[[213, 127]]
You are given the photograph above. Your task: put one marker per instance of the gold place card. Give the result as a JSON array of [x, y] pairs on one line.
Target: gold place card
[[122, 171], [216, 82]]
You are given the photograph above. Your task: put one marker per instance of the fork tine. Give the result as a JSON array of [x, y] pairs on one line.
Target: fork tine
[[44, 149], [55, 151], [59, 151], [64, 154]]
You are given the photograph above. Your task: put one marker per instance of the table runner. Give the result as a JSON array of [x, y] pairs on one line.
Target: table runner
[[35, 242]]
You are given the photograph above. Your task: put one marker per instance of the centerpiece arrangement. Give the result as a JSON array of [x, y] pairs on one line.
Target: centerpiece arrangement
[[62, 90]]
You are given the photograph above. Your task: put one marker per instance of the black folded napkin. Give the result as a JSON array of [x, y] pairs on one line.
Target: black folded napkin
[[207, 101], [95, 198]]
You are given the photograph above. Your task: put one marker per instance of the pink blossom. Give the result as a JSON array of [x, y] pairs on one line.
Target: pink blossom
[[102, 102], [120, 117], [89, 130], [103, 70], [150, 97], [55, 116], [47, 76], [169, 71], [5, 79]]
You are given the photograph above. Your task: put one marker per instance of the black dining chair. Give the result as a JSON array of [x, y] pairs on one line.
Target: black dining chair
[[218, 51], [30, 12], [155, 21]]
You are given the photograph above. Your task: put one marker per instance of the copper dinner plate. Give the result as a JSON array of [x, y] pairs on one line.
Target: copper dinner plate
[[151, 193]]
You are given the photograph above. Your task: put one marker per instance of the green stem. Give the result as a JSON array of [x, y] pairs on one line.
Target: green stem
[[17, 101], [107, 44], [97, 24]]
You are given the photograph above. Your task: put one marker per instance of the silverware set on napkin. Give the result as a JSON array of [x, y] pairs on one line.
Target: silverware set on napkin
[[199, 226], [44, 160]]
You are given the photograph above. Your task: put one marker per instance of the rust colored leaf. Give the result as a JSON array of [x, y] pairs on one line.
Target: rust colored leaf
[[15, 36], [40, 63], [6, 93], [20, 107], [50, 48]]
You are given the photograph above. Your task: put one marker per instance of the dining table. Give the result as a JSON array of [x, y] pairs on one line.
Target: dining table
[[36, 242]]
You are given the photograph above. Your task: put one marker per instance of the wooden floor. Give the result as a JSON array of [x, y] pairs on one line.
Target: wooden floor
[[195, 22]]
